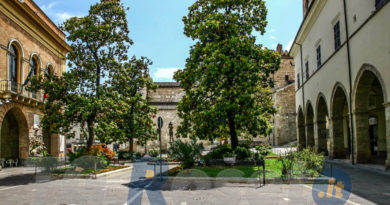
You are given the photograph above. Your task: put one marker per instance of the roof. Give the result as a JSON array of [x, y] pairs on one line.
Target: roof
[[168, 84], [302, 26]]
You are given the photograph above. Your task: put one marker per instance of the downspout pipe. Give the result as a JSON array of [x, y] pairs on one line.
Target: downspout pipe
[[350, 83], [303, 89]]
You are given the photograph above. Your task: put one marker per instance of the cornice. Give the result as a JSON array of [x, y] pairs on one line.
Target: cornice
[[29, 21], [307, 23]]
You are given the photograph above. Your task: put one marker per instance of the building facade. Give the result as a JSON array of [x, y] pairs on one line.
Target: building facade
[[342, 69], [166, 98], [30, 44], [284, 122]]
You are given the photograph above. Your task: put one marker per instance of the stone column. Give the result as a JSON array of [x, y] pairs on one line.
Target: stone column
[[331, 139], [361, 142], [387, 114], [316, 136]]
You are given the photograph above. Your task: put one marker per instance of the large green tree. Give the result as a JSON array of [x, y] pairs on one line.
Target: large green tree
[[130, 111], [99, 43], [100, 91], [227, 76]]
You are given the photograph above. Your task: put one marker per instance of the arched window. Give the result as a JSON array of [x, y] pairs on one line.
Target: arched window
[[13, 68], [34, 67], [49, 70], [34, 71]]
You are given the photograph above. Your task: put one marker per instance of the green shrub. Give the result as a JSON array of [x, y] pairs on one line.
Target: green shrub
[[124, 154], [89, 162], [264, 149], [243, 153], [288, 161], [97, 157], [186, 152], [137, 154], [153, 153], [219, 152], [312, 162]]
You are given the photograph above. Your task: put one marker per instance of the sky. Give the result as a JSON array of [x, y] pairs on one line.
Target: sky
[[156, 28]]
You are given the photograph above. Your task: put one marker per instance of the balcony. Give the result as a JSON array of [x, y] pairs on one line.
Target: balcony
[[12, 91]]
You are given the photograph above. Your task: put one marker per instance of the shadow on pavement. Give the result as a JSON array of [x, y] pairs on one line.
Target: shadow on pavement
[[370, 185], [182, 185], [24, 179]]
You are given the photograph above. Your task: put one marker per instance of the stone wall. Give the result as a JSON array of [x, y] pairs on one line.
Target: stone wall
[[284, 100], [165, 98], [284, 121]]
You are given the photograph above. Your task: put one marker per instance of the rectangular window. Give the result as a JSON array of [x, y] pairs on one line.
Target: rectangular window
[[307, 70], [337, 40], [318, 56], [380, 3], [298, 80]]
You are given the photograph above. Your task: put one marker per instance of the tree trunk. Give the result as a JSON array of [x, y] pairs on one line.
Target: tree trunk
[[232, 130], [131, 141], [91, 134]]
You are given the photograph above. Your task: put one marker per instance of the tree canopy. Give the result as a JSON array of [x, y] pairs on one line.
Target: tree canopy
[[227, 75], [100, 90]]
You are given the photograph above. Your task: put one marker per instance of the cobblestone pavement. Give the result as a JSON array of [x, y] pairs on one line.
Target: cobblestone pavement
[[28, 189]]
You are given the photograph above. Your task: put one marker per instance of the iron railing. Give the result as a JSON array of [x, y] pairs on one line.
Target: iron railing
[[19, 89]]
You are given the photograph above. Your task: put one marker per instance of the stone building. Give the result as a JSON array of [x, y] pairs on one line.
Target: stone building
[[342, 59], [284, 122], [30, 43], [165, 99]]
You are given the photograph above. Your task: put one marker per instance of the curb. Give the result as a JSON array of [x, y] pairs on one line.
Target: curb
[[361, 167], [90, 176], [320, 180]]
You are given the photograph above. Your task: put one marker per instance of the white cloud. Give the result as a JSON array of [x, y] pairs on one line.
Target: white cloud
[[165, 73], [273, 37], [61, 17], [46, 8], [272, 30], [288, 47]]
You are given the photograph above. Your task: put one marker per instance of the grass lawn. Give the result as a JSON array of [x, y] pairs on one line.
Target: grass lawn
[[273, 169]]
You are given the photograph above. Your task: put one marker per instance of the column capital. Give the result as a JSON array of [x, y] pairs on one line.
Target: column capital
[[386, 104]]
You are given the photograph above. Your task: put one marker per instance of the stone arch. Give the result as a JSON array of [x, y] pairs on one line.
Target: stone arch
[[370, 68], [50, 67], [340, 125], [369, 96], [322, 125], [14, 135], [14, 41], [309, 122], [301, 128], [37, 57]]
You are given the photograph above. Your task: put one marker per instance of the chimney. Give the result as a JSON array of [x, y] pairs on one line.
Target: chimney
[[279, 49]]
